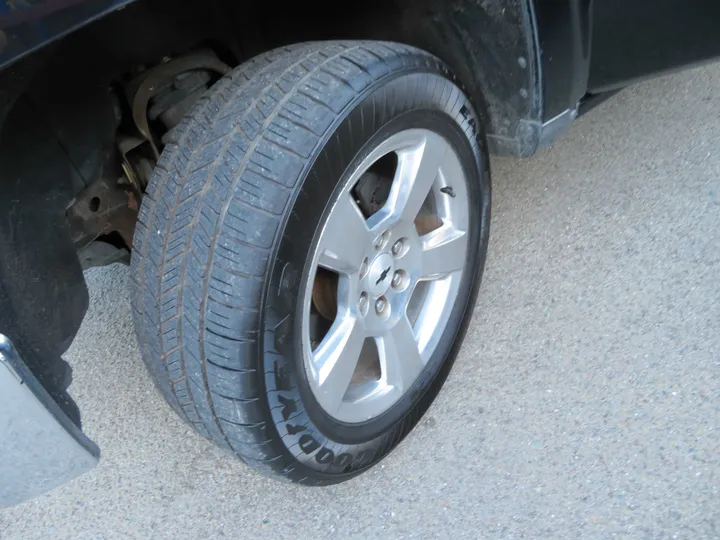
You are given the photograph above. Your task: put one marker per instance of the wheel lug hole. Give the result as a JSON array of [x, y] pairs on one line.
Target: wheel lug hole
[[381, 240], [399, 280], [399, 248], [364, 268], [363, 303], [381, 305]]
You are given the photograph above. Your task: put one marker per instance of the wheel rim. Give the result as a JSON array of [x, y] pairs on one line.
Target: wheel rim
[[384, 280]]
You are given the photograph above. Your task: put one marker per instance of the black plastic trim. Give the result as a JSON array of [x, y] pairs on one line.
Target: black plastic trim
[[565, 32]]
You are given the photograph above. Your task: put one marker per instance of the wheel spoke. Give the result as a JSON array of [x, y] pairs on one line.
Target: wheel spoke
[[400, 358], [417, 169], [344, 238], [444, 252], [336, 359]]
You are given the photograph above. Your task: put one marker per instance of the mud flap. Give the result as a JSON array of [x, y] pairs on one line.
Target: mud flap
[[40, 447]]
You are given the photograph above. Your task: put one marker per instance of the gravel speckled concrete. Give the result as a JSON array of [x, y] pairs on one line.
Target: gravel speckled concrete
[[585, 402]]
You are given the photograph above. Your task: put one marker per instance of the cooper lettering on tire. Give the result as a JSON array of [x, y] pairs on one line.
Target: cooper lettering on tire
[[309, 252]]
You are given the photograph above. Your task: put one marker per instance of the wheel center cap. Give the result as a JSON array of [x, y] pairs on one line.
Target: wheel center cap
[[380, 274]]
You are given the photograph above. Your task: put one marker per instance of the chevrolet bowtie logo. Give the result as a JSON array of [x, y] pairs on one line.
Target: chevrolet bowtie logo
[[383, 275]]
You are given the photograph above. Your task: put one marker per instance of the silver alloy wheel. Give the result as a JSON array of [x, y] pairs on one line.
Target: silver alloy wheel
[[396, 282]]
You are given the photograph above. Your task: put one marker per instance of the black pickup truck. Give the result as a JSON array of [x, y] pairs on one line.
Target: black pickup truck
[[302, 190]]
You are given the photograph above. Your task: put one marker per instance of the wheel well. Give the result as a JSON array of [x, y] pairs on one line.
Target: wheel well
[[490, 45], [69, 129]]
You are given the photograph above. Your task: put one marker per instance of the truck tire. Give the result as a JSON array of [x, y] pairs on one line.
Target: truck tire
[[309, 252]]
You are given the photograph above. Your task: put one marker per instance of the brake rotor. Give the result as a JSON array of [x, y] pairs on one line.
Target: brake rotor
[[324, 293]]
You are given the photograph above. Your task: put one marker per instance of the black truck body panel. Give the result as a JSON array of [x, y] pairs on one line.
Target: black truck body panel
[[632, 41]]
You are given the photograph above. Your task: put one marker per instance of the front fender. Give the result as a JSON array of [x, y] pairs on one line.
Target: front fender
[[29, 25]]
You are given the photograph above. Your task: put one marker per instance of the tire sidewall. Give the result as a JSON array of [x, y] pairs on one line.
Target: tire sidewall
[[329, 448]]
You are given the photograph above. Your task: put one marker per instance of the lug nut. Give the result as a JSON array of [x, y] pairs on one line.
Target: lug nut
[[397, 247], [380, 305], [396, 280]]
